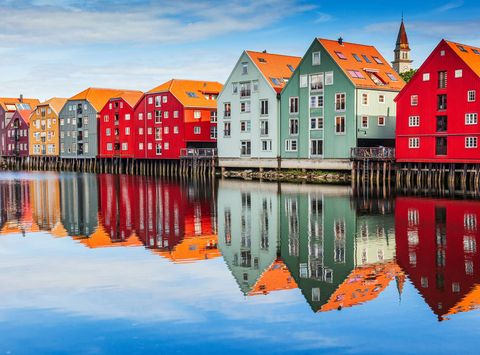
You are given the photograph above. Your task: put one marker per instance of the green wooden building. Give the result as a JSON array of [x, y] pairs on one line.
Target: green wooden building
[[340, 96]]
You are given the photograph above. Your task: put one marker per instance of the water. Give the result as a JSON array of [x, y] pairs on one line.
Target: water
[[121, 264]]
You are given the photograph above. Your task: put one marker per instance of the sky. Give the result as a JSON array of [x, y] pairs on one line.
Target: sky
[[60, 47]]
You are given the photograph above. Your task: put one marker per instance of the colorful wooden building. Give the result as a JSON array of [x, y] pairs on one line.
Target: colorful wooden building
[[79, 122], [8, 106], [17, 134], [176, 115], [340, 96], [248, 108], [118, 130], [438, 109], [44, 134]]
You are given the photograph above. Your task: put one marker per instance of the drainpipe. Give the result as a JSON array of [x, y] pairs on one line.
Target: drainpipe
[[279, 138]]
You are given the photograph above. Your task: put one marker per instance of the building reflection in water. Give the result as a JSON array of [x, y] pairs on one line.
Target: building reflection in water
[[337, 251]]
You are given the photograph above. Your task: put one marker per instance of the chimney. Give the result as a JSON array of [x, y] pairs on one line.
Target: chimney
[[340, 41], [264, 51], [21, 98]]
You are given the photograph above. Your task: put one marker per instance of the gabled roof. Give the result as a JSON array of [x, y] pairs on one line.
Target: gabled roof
[[130, 97], [192, 249], [470, 55], [24, 114], [402, 39], [55, 103], [4, 101], [275, 67], [276, 278], [191, 93], [98, 97], [343, 54]]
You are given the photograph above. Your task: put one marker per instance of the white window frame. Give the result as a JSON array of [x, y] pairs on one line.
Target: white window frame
[[362, 122], [289, 145], [335, 103], [426, 76], [316, 55], [329, 78], [414, 143], [458, 73], [414, 100], [381, 99], [303, 81], [470, 94], [364, 99], [471, 119], [471, 142], [384, 121], [344, 125], [414, 121]]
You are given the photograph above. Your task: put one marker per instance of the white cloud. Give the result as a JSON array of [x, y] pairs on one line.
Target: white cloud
[[323, 17], [450, 6]]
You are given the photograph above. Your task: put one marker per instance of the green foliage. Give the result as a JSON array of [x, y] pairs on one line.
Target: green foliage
[[407, 76]]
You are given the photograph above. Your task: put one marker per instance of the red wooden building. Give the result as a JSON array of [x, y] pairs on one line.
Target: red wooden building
[[116, 126], [175, 115], [436, 245], [437, 111], [17, 134]]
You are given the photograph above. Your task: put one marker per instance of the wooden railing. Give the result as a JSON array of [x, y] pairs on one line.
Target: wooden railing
[[198, 153], [372, 153]]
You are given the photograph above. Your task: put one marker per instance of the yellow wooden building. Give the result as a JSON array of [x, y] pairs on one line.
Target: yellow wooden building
[[44, 136]]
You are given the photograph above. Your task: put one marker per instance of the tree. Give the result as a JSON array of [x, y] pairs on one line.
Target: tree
[[407, 76]]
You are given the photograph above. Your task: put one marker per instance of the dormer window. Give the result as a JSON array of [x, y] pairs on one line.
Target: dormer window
[[462, 48], [391, 77], [341, 55], [476, 51], [377, 60], [356, 74], [292, 69], [357, 58], [373, 74], [366, 58]]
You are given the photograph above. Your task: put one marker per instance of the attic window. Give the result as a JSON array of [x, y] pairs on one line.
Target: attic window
[[292, 69], [341, 55], [376, 78], [276, 81], [262, 60], [391, 77], [366, 58], [23, 106], [357, 58], [462, 48], [476, 51], [356, 74], [378, 60], [192, 94]]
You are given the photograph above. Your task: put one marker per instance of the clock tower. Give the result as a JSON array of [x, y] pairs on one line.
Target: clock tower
[[402, 62]]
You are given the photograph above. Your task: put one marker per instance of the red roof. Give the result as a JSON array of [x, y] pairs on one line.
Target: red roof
[[402, 39]]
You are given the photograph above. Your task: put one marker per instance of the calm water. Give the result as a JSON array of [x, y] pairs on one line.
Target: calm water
[[120, 264]]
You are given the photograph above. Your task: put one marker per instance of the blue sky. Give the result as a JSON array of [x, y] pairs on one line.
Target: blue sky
[[57, 48]]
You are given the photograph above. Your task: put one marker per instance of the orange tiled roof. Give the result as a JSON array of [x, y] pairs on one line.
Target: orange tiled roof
[[276, 278], [193, 249], [101, 239], [12, 101], [181, 89], [349, 63], [362, 285], [470, 302], [469, 56], [59, 230], [55, 103], [275, 67], [25, 115], [98, 97], [130, 97]]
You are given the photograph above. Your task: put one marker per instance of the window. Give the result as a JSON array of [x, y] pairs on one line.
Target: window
[[442, 102], [381, 99], [462, 48], [149, 130], [392, 77], [255, 85], [234, 88], [196, 130], [316, 82], [316, 147], [149, 146], [471, 118], [264, 128], [164, 99], [303, 81], [197, 114], [381, 121], [107, 132], [175, 130], [124, 146], [245, 89], [263, 107], [414, 100], [471, 142], [213, 116], [472, 96], [414, 121], [413, 142], [175, 114], [441, 123], [316, 123], [150, 100], [165, 114], [458, 73], [166, 146], [266, 145], [127, 131], [245, 148], [227, 110], [340, 103], [366, 58], [158, 116], [316, 101], [340, 55], [140, 131], [290, 145], [316, 58], [441, 146], [340, 125], [149, 116], [364, 99], [158, 101], [158, 148], [245, 126], [213, 132], [293, 105], [226, 129], [109, 146], [166, 130], [329, 78], [244, 68], [357, 74], [365, 122], [377, 60], [357, 58], [442, 79], [245, 106], [140, 116], [293, 126], [426, 76]]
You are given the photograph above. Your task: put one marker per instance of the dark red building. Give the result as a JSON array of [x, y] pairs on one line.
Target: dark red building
[[437, 111], [436, 245], [17, 134], [117, 129], [176, 115]]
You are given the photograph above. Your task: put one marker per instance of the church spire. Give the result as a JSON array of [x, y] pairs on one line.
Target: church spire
[[402, 39], [402, 62]]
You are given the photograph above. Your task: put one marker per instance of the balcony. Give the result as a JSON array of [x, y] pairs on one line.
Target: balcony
[[198, 153], [372, 153]]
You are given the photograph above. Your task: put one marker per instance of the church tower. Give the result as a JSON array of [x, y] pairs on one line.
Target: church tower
[[402, 62]]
